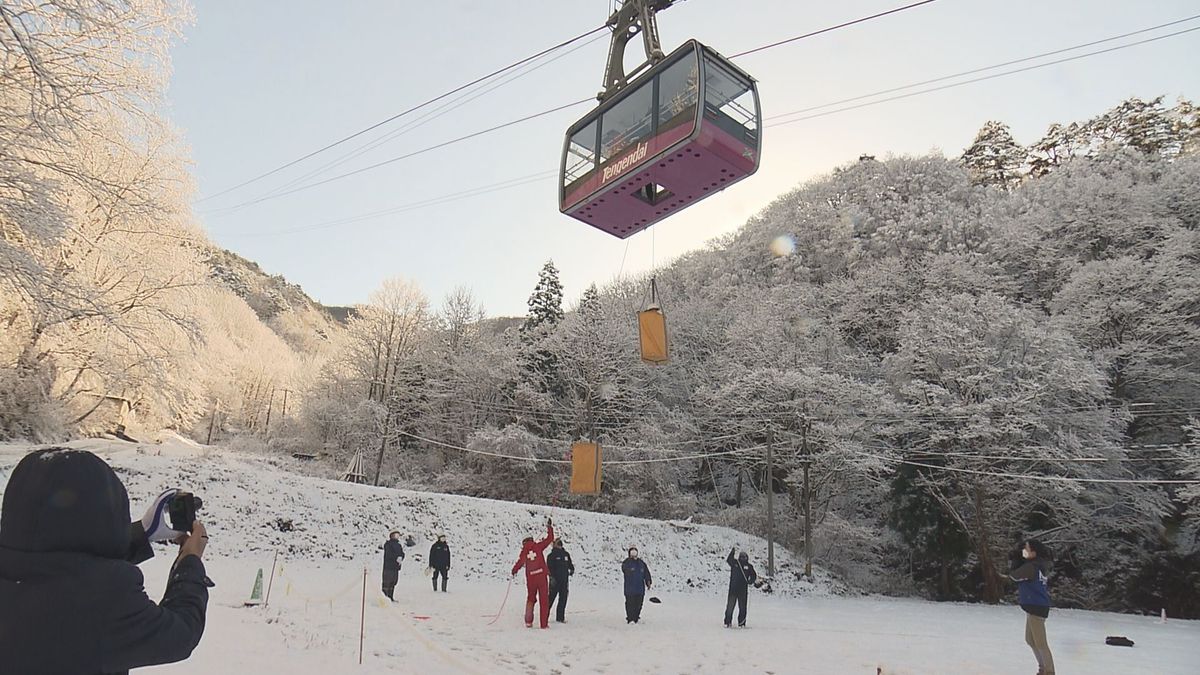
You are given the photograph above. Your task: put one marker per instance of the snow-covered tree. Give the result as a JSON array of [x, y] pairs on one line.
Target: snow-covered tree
[[545, 303], [994, 158], [995, 392]]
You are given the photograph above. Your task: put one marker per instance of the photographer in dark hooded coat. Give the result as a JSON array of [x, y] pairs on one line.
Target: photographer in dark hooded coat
[[71, 598]]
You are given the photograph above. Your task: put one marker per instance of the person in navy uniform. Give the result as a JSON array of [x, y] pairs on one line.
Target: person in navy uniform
[[561, 569], [393, 555], [439, 561], [741, 576], [637, 582]]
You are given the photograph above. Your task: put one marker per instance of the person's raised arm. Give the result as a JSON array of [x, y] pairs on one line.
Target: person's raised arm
[[142, 633], [549, 536]]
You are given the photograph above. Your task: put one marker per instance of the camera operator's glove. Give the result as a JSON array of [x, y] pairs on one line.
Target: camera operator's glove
[[157, 522]]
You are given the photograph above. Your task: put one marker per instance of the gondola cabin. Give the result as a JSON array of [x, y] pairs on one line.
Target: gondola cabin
[[684, 130]]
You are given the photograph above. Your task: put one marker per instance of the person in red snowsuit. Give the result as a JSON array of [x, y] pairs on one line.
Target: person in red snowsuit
[[537, 576]]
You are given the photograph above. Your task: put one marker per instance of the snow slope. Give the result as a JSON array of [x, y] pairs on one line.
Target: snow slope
[[246, 497], [312, 622]]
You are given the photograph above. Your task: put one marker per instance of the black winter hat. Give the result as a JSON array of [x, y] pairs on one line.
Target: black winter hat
[[60, 499]]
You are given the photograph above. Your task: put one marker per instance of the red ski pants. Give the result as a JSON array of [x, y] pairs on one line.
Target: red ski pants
[[537, 590]]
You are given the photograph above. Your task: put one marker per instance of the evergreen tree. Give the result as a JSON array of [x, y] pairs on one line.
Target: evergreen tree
[[994, 158], [545, 305], [1143, 125], [589, 305], [1057, 146], [539, 364], [1185, 126]]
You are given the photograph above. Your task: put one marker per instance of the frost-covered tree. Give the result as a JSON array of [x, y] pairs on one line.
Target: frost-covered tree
[[995, 391], [994, 158], [1058, 145], [541, 381], [1138, 318], [384, 339], [1142, 125], [94, 264], [545, 303], [459, 320]]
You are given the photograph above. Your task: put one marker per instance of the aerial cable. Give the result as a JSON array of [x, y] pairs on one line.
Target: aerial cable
[[398, 115], [411, 206], [980, 70], [502, 126], [971, 81], [425, 118], [830, 29], [1038, 477], [414, 153], [514, 408], [542, 460], [795, 112]]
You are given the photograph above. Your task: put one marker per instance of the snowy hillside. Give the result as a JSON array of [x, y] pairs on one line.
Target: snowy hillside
[[311, 625], [249, 501]]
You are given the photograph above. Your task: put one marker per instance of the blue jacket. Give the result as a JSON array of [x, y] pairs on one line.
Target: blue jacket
[[637, 576], [1032, 592]]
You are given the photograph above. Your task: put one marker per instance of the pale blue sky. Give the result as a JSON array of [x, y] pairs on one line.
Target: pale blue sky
[[259, 83]]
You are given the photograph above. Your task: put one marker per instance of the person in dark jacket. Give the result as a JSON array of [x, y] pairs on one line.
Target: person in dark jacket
[[561, 569], [393, 555], [71, 597], [439, 560], [1034, 597], [637, 582], [741, 576], [537, 583]]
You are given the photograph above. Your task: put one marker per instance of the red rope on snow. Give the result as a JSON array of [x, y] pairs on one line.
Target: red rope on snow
[[506, 592]]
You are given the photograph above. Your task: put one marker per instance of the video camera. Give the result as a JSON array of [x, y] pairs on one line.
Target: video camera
[[182, 510]]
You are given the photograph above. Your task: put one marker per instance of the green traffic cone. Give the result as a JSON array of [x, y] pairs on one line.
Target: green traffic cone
[[256, 595]]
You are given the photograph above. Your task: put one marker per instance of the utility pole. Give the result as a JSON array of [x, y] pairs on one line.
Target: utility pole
[[212, 422], [807, 501], [771, 504], [270, 404]]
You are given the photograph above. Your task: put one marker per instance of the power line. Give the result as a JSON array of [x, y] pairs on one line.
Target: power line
[[1056, 479], [419, 106], [542, 460], [973, 80], [411, 206], [414, 153], [424, 119], [499, 186], [566, 415], [830, 29], [507, 124], [985, 68]]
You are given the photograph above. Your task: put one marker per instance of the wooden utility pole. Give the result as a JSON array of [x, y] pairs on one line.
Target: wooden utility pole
[[807, 500], [807, 525], [270, 404], [212, 422], [771, 504]]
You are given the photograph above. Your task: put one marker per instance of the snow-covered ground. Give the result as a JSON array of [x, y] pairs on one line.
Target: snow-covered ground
[[312, 622]]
